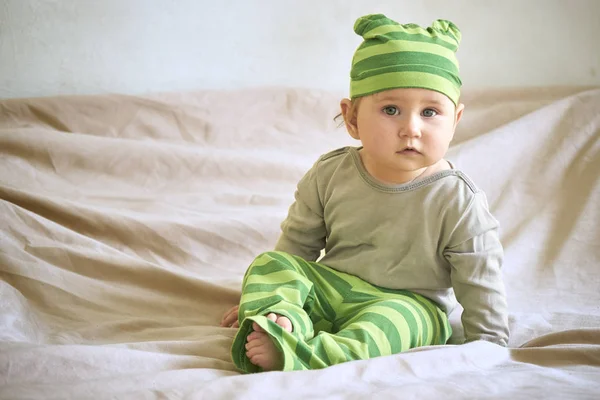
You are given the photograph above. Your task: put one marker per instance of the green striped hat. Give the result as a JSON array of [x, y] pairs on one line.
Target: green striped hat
[[405, 56]]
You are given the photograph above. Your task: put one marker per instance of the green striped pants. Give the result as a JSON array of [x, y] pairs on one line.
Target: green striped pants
[[336, 317]]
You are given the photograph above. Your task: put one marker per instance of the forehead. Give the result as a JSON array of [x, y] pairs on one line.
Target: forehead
[[412, 95]]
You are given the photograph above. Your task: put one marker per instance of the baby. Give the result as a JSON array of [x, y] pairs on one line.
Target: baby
[[405, 233]]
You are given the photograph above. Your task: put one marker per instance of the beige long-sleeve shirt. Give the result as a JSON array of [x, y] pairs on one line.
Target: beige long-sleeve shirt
[[435, 237]]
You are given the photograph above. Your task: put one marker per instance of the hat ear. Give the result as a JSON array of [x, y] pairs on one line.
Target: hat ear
[[369, 22], [448, 29]]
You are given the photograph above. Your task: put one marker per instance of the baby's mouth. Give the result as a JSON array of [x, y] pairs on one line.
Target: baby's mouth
[[408, 150]]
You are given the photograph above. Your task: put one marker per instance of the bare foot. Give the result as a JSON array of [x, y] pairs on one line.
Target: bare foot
[[260, 349]]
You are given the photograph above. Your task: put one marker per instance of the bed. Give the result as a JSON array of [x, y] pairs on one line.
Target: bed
[[128, 223]]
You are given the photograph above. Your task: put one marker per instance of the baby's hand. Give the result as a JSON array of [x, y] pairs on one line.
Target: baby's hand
[[230, 318]]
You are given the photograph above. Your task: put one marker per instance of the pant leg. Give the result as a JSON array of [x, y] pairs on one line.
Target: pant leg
[[283, 284], [384, 327], [356, 320]]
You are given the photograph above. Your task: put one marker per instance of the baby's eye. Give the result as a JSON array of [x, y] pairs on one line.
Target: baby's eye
[[390, 110], [429, 112]]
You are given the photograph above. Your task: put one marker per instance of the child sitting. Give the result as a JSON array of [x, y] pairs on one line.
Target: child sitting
[[405, 234]]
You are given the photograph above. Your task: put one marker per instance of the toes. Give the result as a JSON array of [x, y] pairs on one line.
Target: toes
[[261, 359], [272, 317], [257, 327], [254, 336], [256, 359], [264, 361], [280, 320], [257, 340], [261, 351], [253, 356], [285, 323], [256, 352], [253, 348]]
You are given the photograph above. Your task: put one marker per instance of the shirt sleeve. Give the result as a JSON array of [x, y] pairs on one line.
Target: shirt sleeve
[[303, 230], [475, 255]]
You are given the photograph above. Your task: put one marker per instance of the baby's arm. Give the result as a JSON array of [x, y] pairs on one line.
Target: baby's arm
[[476, 260], [303, 231]]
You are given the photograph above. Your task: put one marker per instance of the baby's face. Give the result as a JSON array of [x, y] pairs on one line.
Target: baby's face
[[405, 130]]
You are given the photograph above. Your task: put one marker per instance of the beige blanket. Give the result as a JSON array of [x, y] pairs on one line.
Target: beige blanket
[[128, 222]]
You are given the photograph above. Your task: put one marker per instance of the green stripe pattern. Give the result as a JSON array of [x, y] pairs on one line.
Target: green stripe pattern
[[336, 317], [405, 56]]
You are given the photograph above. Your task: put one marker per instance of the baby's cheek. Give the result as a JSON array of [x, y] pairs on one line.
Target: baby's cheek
[[437, 149]]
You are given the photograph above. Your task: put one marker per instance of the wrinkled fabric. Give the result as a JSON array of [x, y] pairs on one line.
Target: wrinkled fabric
[[127, 224]]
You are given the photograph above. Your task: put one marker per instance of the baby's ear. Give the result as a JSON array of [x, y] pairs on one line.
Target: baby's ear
[[349, 115], [459, 113]]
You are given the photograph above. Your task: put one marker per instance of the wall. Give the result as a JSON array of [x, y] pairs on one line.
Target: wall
[[52, 47]]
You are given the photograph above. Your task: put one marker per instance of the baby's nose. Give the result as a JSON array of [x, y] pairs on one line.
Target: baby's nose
[[410, 128]]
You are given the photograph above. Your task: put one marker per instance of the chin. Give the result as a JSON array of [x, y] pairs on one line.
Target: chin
[[406, 167]]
